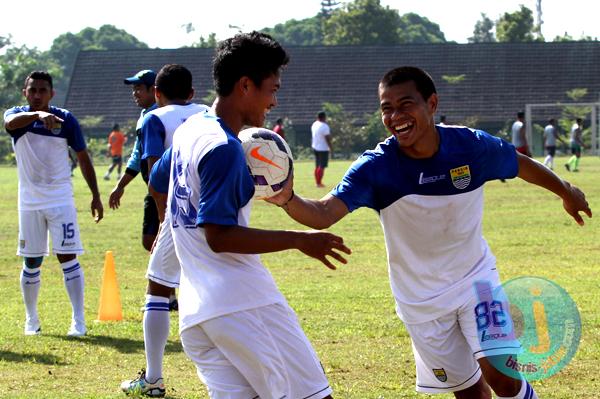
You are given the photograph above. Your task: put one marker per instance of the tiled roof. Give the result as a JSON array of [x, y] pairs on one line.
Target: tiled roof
[[499, 78]]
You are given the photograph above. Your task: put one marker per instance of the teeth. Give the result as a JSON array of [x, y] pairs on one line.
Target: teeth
[[403, 126]]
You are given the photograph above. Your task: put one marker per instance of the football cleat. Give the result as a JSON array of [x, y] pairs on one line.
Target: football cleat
[[140, 386], [77, 329], [32, 327]]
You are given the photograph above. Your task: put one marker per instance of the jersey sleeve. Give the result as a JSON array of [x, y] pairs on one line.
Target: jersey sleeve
[[74, 135], [10, 112], [160, 173], [500, 160], [133, 162], [356, 189], [223, 190], [153, 134]]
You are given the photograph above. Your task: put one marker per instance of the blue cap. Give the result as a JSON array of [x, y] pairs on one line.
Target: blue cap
[[147, 77]]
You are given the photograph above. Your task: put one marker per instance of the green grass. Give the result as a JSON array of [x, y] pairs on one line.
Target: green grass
[[348, 314]]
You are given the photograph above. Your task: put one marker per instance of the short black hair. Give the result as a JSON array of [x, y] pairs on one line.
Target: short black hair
[[174, 81], [39, 75], [552, 121], [279, 121], [116, 126], [255, 55], [579, 120], [403, 74], [321, 115], [520, 114]]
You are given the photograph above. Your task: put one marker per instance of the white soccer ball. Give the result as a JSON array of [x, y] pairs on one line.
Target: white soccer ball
[[269, 160]]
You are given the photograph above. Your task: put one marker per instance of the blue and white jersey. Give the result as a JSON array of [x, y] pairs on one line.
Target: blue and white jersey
[[43, 163], [210, 183], [431, 213], [134, 161], [159, 125]]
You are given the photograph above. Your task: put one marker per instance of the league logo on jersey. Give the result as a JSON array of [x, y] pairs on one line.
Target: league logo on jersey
[[461, 177], [440, 374]]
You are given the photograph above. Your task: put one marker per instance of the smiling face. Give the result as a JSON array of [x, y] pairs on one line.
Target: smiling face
[[142, 95], [260, 100], [409, 118], [38, 94]]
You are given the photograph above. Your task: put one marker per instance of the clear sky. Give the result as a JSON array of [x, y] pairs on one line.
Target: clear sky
[[36, 23]]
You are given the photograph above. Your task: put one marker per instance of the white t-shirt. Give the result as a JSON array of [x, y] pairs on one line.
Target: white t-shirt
[[517, 141], [319, 131], [550, 136], [575, 134], [431, 213], [202, 190], [43, 160]]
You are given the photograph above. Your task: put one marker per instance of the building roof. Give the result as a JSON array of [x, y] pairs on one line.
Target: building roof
[[498, 79]]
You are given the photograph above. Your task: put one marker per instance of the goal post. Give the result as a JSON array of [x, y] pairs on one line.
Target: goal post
[[537, 146]]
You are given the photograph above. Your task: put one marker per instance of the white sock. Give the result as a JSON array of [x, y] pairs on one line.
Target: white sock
[[30, 288], [74, 283], [156, 333], [548, 161], [526, 392]]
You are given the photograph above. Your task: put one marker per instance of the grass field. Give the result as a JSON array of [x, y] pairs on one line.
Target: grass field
[[348, 314]]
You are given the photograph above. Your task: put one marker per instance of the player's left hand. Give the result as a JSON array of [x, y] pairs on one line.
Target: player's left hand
[[97, 209], [575, 202]]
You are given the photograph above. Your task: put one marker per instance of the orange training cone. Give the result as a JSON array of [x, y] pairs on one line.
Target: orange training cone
[[110, 300]]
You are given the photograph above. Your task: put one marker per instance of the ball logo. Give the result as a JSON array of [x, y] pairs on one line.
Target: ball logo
[[254, 153], [542, 317]]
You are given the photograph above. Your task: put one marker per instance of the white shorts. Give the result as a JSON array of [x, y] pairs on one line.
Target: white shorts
[[163, 266], [446, 349], [60, 222], [259, 353]]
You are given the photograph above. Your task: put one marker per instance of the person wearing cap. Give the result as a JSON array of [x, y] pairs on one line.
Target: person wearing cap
[[142, 85]]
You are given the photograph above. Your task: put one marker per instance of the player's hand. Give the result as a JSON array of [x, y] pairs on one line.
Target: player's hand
[[320, 245], [575, 202], [49, 120], [97, 209], [285, 195], [114, 200]]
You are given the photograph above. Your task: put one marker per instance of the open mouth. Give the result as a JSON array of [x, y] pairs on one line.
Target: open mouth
[[403, 128]]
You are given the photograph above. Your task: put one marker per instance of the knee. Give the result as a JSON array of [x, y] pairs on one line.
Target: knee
[[33, 263]]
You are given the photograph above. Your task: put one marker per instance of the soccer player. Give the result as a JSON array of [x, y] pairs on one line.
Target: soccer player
[[576, 143], [518, 136], [173, 93], [550, 137], [116, 140], [235, 324], [321, 145], [142, 85], [426, 183], [41, 136]]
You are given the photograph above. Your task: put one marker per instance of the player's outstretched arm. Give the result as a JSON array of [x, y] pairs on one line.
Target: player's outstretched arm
[[22, 119], [573, 198], [238, 239], [316, 214], [88, 172]]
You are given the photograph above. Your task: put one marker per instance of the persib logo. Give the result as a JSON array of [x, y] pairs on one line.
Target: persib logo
[[461, 177]]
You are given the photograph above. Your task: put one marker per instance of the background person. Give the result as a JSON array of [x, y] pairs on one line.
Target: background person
[[576, 143], [321, 145], [518, 136], [41, 136], [116, 140]]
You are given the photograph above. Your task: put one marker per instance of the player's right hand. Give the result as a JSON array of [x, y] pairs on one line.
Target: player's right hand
[[282, 197], [575, 202], [114, 201], [320, 245], [49, 120]]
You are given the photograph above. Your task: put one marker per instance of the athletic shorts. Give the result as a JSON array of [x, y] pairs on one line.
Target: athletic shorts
[[151, 222], [258, 353], [551, 150], [321, 158], [575, 148], [59, 222], [446, 349], [117, 159], [163, 267], [524, 150]]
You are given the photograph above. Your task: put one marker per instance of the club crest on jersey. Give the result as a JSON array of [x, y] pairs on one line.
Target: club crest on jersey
[[461, 177], [440, 374]]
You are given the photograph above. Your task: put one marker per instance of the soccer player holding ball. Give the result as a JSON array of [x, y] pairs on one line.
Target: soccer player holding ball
[[235, 324], [426, 182]]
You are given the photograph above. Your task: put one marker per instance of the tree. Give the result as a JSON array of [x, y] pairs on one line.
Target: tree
[[516, 27], [327, 7], [483, 31], [416, 29], [209, 42], [15, 64], [108, 37], [304, 32], [362, 22]]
